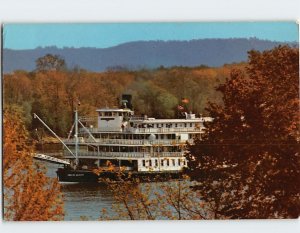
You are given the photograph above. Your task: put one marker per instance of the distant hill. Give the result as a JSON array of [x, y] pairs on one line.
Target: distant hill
[[143, 54]]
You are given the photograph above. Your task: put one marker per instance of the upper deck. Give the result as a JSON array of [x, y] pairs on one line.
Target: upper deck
[[124, 121]]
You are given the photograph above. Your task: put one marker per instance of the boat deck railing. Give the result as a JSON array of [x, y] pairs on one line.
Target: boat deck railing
[[144, 142], [163, 130], [138, 118], [145, 130], [101, 154], [50, 158]]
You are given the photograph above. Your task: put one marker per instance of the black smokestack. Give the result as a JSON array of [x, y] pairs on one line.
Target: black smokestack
[[126, 101]]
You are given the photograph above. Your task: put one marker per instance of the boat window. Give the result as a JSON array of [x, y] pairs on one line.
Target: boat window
[[156, 162], [144, 163], [173, 162], [184, 162], [161, 162], [150, 163], [175, 124], [120, 114], [168, 162], [179, 162], [191, 124], [185, 124]]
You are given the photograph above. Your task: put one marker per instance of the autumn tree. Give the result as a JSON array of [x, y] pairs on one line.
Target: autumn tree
[[28, 194], [17, 88], [136, 199], [196, 84], [50, 100], [248, 165], [50, 62]]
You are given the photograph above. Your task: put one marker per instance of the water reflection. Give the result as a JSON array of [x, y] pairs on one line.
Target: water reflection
[[85, 200]]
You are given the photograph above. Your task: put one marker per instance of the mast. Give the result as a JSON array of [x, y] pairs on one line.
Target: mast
[[76, 137]]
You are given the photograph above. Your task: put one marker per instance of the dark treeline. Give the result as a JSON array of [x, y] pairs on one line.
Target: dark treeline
[[53, 93], [150, 54]]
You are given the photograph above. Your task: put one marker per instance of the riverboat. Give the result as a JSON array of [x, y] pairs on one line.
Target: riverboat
[[117, 140]]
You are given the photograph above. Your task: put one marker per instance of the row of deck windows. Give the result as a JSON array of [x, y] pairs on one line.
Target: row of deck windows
[[168, 125], [133, 136], [139, 136], [132, 149], [114, 114], [163, 163]]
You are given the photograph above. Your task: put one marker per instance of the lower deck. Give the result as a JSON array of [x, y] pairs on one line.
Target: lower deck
[[150, 164]]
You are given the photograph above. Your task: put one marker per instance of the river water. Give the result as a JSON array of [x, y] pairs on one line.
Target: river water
[[82, 200]]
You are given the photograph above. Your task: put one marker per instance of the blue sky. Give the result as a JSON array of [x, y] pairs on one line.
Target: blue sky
[[29, 36]]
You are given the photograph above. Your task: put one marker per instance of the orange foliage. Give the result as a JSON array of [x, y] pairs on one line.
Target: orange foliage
[[28, 194], [247, 163]]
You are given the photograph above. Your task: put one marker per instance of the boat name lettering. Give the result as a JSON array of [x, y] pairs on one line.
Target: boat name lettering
[[75, 174]]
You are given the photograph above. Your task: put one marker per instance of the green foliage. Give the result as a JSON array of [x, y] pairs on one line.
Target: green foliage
[[153, 100], [248, 163]]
